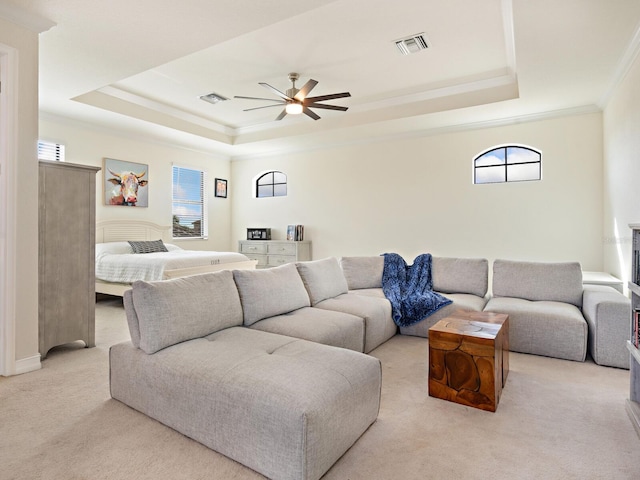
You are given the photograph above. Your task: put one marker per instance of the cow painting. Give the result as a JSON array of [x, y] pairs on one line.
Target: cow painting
[[125, 183]]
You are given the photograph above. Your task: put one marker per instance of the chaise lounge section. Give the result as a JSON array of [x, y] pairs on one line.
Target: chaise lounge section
[[285, 407]]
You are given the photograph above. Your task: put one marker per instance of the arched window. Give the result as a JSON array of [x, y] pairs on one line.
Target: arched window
[[271, 184], [509, 163]]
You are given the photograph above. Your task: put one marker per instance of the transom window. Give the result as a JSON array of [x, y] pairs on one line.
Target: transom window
[[50, 151], [271, 184], [510, 163], [189, 203]]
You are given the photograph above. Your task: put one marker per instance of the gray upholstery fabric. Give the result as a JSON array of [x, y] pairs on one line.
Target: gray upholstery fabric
[[285, 408], [378, 323], [608, 313], [369, 292], [317, 325], [462, 301], [558, 282], [552, 329], [322, 278], [173, 311], [132, 318], [460, 275], [269, 292], [363, 272]]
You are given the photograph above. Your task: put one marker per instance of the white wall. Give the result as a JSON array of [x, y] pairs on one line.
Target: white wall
[[416, 195], [89, 146], [622, 172], [21, 234]]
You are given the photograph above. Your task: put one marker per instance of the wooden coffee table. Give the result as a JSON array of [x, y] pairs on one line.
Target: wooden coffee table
[[469, 358]]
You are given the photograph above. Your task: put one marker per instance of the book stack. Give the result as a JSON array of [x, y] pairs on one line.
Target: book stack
[[635, 328], [295, 233]]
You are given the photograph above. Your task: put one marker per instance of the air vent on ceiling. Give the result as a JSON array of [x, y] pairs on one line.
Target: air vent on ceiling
[[412, 44], [213, 98]]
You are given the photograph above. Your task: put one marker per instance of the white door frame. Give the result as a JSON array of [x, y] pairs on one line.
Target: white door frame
[[8, 160]]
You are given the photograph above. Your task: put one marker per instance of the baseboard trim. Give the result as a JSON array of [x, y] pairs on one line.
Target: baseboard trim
[[29, 364]]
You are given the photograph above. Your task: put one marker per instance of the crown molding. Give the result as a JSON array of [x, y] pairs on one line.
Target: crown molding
[[25, 19], [624, 65]]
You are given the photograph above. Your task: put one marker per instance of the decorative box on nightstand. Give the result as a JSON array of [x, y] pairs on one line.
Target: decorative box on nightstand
[[271, 253]]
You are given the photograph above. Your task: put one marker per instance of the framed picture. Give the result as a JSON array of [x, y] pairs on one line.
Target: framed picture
[[125, 183], [221, 188]]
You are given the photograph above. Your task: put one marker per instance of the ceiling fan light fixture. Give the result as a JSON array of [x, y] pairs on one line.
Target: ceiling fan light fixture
[[293, 108]]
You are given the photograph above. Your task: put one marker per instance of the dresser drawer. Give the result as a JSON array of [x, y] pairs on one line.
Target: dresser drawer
[[282, 248], [262, 259], [277, 260], [253, 247]]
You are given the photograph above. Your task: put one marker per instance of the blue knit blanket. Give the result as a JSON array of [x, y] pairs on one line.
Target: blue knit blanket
[[409, 288]]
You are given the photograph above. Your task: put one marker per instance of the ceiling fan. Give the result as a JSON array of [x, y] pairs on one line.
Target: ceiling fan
[[295, 101]]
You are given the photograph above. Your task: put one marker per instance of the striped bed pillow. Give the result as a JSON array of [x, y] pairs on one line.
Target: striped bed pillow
[[151, 246]]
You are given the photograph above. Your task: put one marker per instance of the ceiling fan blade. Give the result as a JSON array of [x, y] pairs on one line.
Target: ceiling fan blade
[[322, 98], [309, 113], [275, 91], [258, 98], [266, 106], [282, 115], [306, 88], [328, 107]]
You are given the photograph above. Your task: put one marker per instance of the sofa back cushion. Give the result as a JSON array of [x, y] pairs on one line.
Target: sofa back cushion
[[269, 292], [174, 311], [460, 275], [559, 282], [363, 272], [323, 279]]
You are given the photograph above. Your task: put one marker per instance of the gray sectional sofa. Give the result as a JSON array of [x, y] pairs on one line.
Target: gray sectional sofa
[[269, 367]]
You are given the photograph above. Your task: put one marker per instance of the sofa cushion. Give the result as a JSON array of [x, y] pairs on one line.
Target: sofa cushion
[[317, 325], [556, 282], [376, 312], [552, 329], [460, 275], [269, 292], [322, 278], [173, 311], [363, 272]]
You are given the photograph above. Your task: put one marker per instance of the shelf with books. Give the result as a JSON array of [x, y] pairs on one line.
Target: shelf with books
[[633, 403]]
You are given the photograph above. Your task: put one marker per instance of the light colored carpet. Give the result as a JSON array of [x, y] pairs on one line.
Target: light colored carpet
[[556, 420]]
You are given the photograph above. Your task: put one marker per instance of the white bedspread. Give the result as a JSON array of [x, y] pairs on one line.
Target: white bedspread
[[113, 266]]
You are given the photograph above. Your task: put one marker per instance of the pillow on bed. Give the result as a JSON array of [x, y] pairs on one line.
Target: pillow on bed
[[151, 246]]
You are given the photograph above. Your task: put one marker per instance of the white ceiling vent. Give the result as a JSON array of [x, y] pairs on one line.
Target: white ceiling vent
[[213, 98], [412, 44]]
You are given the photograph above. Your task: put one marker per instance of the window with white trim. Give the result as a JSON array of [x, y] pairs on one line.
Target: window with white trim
[[189, 203], [271, 184], [50, 151], [507, 163]]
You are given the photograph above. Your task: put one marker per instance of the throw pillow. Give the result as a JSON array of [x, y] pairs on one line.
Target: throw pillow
[[323, 279], [151, 246], [270, 292]]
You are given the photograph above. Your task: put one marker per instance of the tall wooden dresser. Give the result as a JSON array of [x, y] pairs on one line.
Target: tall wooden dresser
[[66, 231]]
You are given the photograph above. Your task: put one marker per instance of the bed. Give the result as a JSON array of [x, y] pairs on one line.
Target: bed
[[117, 266]]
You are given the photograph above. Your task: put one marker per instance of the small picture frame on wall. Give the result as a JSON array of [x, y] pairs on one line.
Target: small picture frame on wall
[[221, 188], [125, 183]]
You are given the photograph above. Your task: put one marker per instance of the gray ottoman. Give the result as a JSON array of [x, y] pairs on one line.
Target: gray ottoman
[[286, 408]]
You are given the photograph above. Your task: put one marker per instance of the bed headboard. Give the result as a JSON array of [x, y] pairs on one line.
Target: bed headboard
[[123, 230]]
